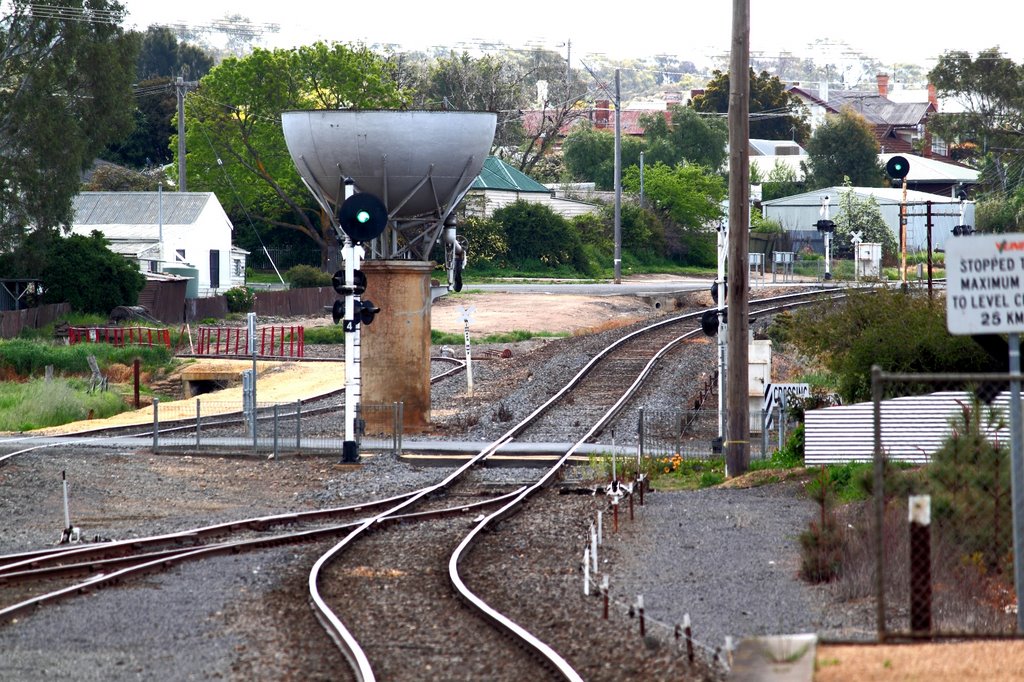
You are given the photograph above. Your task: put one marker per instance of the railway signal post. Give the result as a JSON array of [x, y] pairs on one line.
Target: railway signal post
[[362, 218]]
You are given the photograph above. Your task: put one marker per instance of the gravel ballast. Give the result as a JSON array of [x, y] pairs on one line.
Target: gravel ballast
[[726, 557]]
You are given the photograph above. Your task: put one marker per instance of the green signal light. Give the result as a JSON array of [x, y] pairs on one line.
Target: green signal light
[[363, 217]]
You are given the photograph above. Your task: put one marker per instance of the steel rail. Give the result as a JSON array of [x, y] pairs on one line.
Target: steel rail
[[162, 562], [336, 629], [36, 558]]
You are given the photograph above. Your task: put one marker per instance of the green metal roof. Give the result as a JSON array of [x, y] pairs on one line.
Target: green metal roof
[[496, 174]]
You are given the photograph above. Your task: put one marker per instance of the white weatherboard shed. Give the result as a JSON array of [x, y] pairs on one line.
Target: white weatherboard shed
[[165, 231], [801, 212]]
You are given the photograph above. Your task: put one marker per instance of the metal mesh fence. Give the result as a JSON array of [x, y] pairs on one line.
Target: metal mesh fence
[[939, 527], [278, 428], [694, 434]]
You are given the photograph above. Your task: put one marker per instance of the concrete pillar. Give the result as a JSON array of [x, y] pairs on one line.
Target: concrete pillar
[[396, 347]]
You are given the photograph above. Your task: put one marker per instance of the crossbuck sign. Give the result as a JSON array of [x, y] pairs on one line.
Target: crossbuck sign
[[985, 284]]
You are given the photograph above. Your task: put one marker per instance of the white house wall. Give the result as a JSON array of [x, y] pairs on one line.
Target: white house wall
[[211, 231], [484, 204]]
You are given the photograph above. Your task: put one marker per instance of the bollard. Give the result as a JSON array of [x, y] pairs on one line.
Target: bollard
[[920, 563], [640, 610], [631, 505], [604, 594], [156, 424], [600, 527], [135, 375], [593, 547], [198, 424], [586, 572], [615, 514], [689, 637], [643, 484]]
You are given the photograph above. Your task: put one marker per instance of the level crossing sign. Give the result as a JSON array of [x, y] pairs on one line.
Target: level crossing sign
[[985, 284], [779, 394]]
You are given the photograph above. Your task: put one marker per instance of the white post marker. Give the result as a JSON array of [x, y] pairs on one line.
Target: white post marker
[[855, 239], [467, 317], [828, 237], [250, 323], [586, 572], [985, 295]]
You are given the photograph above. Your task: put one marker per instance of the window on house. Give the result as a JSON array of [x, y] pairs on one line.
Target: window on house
[[236, 266], [179, 255], [939, 146], [154, 266]]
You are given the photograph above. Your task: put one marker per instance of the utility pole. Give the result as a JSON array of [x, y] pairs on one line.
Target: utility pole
[[181, 86], [737, 443], [618, 181]]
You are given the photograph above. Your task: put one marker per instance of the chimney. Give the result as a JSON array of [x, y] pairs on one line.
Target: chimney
[[883, 84], [932, 97], [602, 114]]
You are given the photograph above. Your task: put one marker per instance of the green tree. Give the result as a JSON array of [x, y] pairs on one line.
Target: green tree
[[506, 84], [689, 197], [844, 147], [863, 216], [781, 181], [234, 136], [689, 137], [65, 92], [899, 332], [163, 55], [148, 144], [774, 113], [969, 479], [99, 281], [589, 155], [990, 90], [538, 235]]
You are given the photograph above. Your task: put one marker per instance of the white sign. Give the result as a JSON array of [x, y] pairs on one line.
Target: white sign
[[985, 284], [774, 394]]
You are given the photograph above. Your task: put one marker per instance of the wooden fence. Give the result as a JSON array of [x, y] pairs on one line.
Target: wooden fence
[[13, 321], [283, 303], [293, 302]]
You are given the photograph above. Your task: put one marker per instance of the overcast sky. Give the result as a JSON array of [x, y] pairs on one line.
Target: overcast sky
[[904, 32]]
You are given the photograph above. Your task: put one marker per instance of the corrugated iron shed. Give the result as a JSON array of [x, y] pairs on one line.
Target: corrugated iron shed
[[913, 428], [139, 208], [496, 174]]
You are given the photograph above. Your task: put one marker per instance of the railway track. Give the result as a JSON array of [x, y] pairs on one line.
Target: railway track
[[625, 360], [608, 382]]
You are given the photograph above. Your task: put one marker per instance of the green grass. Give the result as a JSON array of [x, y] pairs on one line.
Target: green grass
[[327, 334], [29, 358], [666, 473], [37, 404]]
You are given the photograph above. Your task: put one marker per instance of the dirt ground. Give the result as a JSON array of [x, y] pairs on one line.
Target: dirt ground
[[558, 313]]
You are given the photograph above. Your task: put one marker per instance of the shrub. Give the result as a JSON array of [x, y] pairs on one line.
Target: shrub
[[240, 299], [822, 543], [38, 404], [306, 276], [93, 279]]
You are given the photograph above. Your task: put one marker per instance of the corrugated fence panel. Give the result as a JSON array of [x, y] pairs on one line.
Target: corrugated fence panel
[[913, 428], [13, 321], [291, 302]]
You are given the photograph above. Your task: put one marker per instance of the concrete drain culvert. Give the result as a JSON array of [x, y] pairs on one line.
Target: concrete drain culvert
[[197, 387]]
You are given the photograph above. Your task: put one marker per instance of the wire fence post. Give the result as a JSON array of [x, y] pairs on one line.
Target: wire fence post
[[275, 430], [298, 425], [156, 424]]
